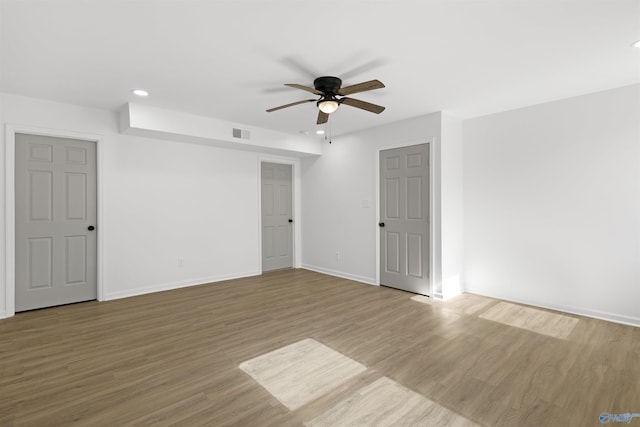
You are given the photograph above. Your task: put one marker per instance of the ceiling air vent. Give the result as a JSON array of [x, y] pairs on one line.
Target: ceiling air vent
[[241, 133]]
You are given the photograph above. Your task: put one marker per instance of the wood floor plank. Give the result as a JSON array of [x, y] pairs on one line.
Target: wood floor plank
[[387, 403], [532, 319], [171, 358], [301, 372]]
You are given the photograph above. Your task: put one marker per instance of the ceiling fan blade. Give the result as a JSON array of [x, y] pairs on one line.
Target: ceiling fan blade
[[299, 65], [362, 105], [307, 88], [361, 87], [290, 105], [322, 118], [367, 66]]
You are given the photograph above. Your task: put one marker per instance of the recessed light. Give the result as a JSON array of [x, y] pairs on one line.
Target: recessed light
[[304, 132], [140, 92], [319, 132], [637, 44]]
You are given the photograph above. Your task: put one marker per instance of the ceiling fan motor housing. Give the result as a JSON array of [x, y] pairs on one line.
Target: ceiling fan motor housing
[[327, 84]]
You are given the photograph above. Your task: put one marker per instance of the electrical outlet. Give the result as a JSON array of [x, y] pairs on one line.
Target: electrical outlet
[[180, 262], [338, 256]]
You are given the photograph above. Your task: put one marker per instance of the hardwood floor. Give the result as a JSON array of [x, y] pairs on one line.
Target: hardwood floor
[[532, 319], [172, 358], [301, 372]]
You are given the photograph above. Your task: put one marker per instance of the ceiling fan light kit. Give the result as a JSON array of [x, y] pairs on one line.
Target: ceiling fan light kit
[[329, 88], [328, 106]]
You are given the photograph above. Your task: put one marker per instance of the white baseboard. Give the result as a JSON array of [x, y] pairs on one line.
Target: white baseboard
[[175, 285], [3, 314], [580, 311], [341, 274], [442, 296]]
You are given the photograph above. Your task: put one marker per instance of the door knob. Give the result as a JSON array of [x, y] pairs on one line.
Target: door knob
[[381, 224], [290, 220], [91, 228]]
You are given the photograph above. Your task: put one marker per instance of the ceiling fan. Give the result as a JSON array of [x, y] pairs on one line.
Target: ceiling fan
[[329, 89]]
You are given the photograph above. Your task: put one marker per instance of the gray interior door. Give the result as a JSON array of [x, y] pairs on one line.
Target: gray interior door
[[55, 187], [277, 218], [404, 218]]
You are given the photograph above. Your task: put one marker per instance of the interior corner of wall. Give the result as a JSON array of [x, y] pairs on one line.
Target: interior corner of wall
[[451, 287], [125, 118]]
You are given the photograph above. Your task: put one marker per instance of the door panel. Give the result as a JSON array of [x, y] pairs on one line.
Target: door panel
[[268, 241], [414, 160], [268, 198], [284, 198], [414, 255], [282, 241], [414, 197], [392, 198], [40, 152], [392, 247], [55, 181], [75, 260], [404, 211], [40, 188], [76, 196], [392, 162], [40, 261], [277, 209]]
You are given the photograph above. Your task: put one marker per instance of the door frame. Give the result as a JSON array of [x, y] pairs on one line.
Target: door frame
[[295, 201], [431, 142], [10, 204]]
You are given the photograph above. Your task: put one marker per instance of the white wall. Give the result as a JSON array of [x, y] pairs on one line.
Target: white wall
[[161, 201], [166, 201], [451, 202], [552, 205], [340, 192]]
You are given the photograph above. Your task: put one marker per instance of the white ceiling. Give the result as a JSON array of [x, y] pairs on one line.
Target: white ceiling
[[230, 59]]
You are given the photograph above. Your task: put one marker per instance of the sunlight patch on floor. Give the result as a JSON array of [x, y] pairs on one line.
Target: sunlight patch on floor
[[387, 403], [421, 298], [301, 372], [531, 319]]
